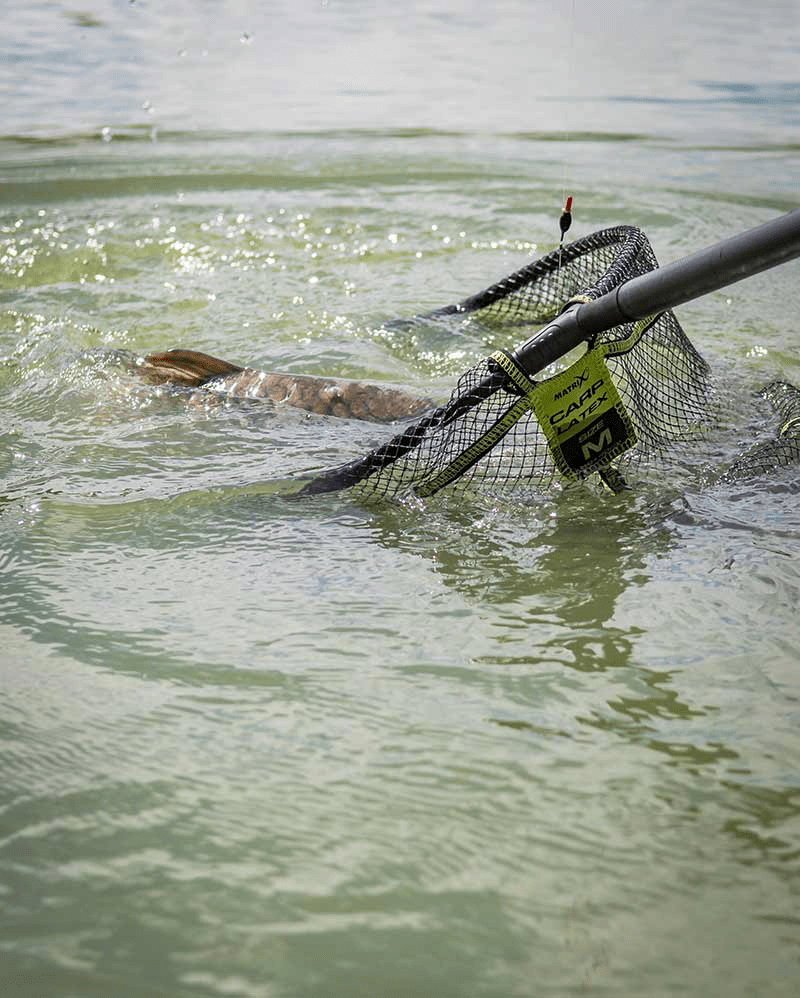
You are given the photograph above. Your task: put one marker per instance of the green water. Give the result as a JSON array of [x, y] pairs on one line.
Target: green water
[[535, 745]]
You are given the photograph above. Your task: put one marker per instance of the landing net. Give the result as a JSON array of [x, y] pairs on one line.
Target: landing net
[[633, 392]]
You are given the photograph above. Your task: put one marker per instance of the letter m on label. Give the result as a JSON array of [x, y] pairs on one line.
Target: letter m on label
[[603, 440]]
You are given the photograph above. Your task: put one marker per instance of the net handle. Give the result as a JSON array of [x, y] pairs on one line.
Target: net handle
[[726, 262]]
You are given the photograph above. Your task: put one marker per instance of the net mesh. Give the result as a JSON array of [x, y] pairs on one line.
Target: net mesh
[[487, 433], [781, 450]]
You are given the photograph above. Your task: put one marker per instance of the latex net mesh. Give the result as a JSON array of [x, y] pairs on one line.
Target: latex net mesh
[[487, 435], [781, 450]]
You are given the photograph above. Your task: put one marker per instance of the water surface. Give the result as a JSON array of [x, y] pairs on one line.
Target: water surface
[[476, 745]]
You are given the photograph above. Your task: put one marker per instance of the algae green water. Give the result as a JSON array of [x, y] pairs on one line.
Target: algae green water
[[533, 745]]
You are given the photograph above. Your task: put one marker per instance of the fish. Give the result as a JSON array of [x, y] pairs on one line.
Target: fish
[[324, 396]]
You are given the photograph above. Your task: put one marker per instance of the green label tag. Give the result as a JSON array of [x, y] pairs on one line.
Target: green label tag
[[583, 417]]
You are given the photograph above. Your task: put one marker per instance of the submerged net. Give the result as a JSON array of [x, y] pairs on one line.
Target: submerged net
[[781, 450], [636, 390]]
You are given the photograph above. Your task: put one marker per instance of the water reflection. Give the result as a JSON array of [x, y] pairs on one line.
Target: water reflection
[[548, 581], [552, 570]]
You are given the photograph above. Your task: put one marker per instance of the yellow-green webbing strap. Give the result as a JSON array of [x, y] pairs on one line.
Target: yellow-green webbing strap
[[791, 428], [518, 378], [492, 436], [562, 420], [615, 347]]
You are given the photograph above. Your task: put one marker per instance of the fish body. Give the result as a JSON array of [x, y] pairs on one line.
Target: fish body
[[323, 396]]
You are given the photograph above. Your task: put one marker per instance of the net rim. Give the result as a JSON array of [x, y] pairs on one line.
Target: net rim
[[630, 239]]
